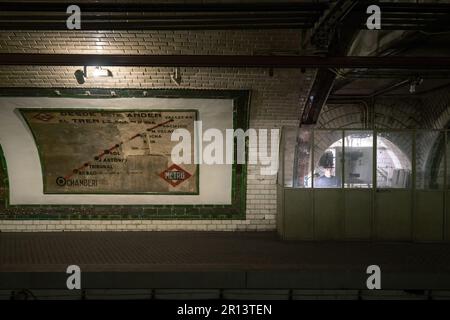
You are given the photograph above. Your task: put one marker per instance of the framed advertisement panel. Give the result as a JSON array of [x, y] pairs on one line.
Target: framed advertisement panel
[[172, 197]]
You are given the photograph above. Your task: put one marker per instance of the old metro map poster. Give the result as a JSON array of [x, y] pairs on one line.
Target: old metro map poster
[[111, 151]]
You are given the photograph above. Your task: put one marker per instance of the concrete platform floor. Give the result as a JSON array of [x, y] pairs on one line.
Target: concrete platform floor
[[219, 260]]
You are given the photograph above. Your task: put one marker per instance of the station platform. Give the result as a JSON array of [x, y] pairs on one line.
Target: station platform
[[215, 260]]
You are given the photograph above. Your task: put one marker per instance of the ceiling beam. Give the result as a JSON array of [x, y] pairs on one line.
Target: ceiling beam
[[318, 95], [351, 75], [324, 32], [324, 15], [46, 6], [154, 16], [328, 36], [403, 16], [241, 61]]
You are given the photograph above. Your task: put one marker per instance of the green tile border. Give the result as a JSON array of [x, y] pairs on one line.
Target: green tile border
[[241, 111]]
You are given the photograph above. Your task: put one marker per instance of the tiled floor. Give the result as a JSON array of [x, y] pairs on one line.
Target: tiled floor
[[208, 251]]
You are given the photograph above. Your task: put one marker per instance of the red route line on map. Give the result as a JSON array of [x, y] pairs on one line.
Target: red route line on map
[[107, 151]]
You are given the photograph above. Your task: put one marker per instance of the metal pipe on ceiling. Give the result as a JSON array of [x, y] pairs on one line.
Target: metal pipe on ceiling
[[32, 6]]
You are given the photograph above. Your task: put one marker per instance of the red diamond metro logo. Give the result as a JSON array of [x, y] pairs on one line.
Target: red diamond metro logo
[[175, 175]]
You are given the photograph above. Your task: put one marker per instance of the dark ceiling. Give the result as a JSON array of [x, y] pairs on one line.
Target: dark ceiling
[[331, 29]]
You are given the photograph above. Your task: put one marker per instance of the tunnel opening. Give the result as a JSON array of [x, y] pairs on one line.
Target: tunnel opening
[[346, 159]]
